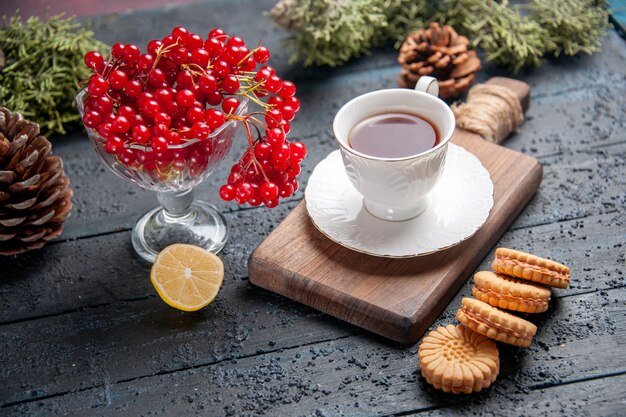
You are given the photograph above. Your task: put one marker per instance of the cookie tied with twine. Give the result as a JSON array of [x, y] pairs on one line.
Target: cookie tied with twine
[[35, 193]]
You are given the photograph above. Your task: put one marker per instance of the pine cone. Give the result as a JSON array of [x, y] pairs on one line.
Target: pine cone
[[35, 196], [438, 52]]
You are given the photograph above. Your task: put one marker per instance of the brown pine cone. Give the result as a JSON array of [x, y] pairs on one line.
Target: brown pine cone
[[35, 193], [438, 52]]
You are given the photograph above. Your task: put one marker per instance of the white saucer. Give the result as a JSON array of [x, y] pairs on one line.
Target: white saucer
[[459, 206]]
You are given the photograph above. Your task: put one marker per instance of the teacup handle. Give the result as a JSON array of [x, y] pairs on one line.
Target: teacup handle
[[427, 85]]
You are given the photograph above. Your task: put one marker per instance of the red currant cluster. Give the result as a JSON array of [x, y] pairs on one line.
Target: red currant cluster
[[181, 91]]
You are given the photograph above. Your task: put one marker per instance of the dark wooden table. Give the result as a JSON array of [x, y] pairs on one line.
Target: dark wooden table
[[82, 331]]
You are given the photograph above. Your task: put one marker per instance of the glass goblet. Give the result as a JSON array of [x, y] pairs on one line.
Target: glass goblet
[[173, 174]]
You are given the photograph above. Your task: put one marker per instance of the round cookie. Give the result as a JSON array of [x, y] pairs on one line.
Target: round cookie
[[495, 324], [456, 359], [510, 293], [531, 267]]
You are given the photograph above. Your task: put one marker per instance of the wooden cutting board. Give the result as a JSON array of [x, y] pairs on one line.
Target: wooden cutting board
[[396, 298]]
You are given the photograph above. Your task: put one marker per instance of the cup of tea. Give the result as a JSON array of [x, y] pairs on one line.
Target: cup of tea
[[393, 144]]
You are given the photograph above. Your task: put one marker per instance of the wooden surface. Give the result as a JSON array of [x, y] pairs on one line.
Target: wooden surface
[[395, 298], [83, 333]]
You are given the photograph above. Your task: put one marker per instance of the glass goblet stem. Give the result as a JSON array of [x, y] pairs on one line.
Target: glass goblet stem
[[177, 206]]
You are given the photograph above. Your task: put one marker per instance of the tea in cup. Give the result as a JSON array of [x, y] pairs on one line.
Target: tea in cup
[[393, 144]]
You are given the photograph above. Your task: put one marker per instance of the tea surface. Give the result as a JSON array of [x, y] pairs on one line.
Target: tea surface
[[393, 135]]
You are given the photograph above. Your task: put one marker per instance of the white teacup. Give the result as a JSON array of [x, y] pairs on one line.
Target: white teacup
[[396, 188]]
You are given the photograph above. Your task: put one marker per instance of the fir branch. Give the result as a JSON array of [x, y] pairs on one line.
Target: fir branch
[[44, 63], [573, 25]]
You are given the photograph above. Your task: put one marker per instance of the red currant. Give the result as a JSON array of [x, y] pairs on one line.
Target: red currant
[[262, 150], [261, 54], [117, 50], [269, 191], [230, 84], [227, 192], [185, 98], [120, 124], [298, 150], [214, 118], [207, 84], [133, 88], [194, 41], [95, 61], [141, 134], [97, 86], [118, 79], [288, 89], [200, 57], [92, 119], [230, 105], [180, 34]]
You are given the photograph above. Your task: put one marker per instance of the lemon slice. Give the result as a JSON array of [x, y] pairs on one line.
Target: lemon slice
[[187, 277]]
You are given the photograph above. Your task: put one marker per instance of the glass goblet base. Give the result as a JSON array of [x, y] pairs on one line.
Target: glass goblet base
[[201, 225]]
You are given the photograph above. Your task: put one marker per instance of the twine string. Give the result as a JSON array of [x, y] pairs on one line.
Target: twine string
[[491, 111]]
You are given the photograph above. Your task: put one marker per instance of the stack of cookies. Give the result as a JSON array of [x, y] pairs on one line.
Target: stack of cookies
[[464, 359]]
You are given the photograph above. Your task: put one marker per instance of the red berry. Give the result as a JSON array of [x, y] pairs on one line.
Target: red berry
[[168, 41], [207, 84], [141, 134], [271, 203], [163, 118], [117, 50], [273, 118], [285, 190], [120, 124], [185, 98], [293, 102], [213, 46], [235, 41], [230, 84], [214, 118], [217, 33], [131, 53], [298, 150], [133, 88], [275, 136], [255, 201], [248, 65], [261, 54], [126, 111], [194, 41], [275, 101], [104, 129], [114, 145], [214, 98], [288, 113], [244, 192], [221, 68], [159, 144], [160, 130], [262, 75], [227, 192], [97, 86], [200, 57], [92, 119], [94, 61], [268, 191], [153, 46], [200, 130], [144, 97], [288, 89], [270, 70], [156, 77], [180, 34], [145, 62], [181, 55], [284, 125], [184, 79], [262, 150], [151, 108], [230, 105], [118, 79], [273, 84], [127, 156], [195, 114]]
